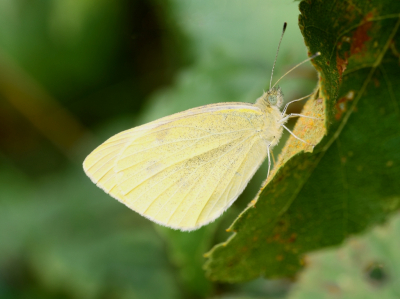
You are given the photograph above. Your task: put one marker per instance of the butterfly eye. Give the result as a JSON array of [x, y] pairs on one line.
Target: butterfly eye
[[272, 100]]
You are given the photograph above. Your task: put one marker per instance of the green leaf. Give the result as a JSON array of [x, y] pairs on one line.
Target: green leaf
[[365, 267], [350, 180]]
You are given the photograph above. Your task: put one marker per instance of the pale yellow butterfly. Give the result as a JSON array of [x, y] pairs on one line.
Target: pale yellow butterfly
[[184, 170]]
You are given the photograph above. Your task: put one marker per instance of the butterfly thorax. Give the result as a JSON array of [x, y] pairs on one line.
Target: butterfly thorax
[[269, 103]]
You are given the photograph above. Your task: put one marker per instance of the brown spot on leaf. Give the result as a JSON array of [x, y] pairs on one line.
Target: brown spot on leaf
[[357, 44], [292, 238], [360, 36], [341, 64], [279, 257]]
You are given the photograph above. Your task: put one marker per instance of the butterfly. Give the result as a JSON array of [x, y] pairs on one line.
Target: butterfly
[[184, 170]]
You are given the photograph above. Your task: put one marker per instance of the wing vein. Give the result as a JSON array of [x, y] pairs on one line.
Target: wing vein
[[101, 158], [173, 154], [156, 183], [172, 195], [209, 176], [179, 140], [226, 186], [172, 184]]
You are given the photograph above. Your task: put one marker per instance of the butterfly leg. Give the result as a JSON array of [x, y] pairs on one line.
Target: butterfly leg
[[298, 138], [273, 157], [291, 115], [269, 159], [286, 106]]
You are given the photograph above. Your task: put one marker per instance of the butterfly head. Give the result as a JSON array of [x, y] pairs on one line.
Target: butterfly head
[[273, 97]]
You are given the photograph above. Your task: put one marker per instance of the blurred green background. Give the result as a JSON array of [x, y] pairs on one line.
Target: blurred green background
[[75, 72]]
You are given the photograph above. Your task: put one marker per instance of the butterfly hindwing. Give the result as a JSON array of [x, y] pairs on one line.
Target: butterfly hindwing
[[185, 172]]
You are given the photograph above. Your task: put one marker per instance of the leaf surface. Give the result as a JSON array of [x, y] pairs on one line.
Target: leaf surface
[[350, 180], [365, 267]]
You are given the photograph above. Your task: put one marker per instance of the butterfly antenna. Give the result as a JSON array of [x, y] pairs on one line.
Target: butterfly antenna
[[308, 59], [276, 56]]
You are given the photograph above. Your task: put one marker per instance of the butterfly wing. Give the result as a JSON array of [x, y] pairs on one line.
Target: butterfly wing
[[185, 170], [99, 165]]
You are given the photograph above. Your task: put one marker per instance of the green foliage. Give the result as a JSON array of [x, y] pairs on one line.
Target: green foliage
[[364, 267], [350, 181], [75, 241], [186, 253]]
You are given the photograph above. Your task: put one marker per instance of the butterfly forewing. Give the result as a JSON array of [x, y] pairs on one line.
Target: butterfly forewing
[[99, 165], [184, 170]]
